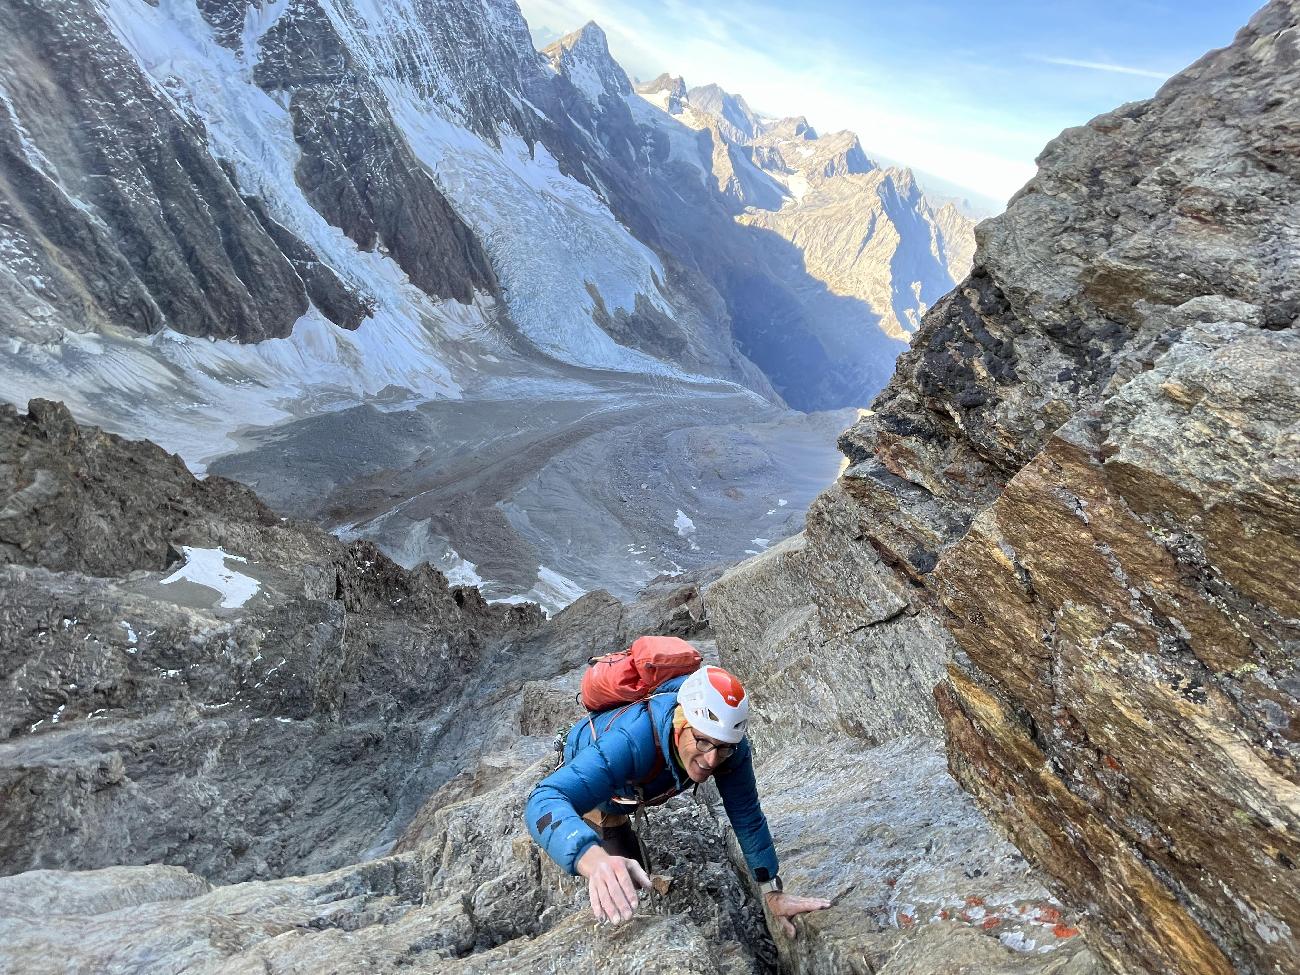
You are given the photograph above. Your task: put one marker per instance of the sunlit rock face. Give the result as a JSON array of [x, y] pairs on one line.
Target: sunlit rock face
[[1128, 709], [1075, 505], [882, 253]]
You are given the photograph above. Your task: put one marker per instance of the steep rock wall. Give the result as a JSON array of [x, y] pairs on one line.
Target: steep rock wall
[[1079, 495], [134, 227]]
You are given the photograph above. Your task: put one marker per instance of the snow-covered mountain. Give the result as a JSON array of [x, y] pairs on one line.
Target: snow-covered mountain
[[217, 213], [343, 250], [214, 214]]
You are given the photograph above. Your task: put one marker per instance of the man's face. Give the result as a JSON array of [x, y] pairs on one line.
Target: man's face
[[700, 754]]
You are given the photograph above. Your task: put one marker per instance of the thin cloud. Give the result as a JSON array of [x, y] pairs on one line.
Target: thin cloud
[[1102, 66]]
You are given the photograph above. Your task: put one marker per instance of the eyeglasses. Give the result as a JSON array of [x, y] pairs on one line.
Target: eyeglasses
[[707, 747]]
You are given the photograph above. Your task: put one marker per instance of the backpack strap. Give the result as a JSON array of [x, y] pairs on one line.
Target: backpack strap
[[659, 764]]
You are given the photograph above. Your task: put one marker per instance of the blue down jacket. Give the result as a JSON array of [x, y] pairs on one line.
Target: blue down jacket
[[624, 753]]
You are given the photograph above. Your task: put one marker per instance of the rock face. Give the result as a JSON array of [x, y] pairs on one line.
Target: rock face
[[1141, 649], [841, 663], [153, 724], [583, 58], [883, 254], [919, 881], [355, 168], [135, 227], [870, 234], [372, 728], [1079, 495]]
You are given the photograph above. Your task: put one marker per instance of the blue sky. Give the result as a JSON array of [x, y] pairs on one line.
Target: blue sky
[[969, 92]]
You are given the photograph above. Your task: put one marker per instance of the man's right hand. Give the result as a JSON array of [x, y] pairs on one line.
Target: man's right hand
[[612, 882]]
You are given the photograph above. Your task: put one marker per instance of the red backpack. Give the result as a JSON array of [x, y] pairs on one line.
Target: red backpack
[[634, 673]]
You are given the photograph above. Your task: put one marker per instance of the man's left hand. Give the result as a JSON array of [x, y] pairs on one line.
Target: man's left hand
[[783, 906]]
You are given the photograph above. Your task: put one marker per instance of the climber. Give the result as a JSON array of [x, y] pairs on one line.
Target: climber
[[689, 730]]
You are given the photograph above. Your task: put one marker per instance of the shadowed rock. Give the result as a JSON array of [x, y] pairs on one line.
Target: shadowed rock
[[348, 709], [138, 226]]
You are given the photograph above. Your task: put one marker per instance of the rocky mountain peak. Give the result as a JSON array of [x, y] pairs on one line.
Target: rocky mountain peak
[[794, 127], [856, 159], [902, 180], [870, 237], [583, 58], [668, 91], [732, 109], [671, 83], [820, 157]]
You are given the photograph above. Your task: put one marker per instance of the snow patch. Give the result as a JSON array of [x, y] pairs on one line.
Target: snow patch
[[462, 572], [586, 79], [552, 592], [258, 19], [207, 567], [550, 582], [37, 159], [796, 184], [683, 524]]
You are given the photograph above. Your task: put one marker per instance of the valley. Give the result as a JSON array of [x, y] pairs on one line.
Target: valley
[[546, 486]]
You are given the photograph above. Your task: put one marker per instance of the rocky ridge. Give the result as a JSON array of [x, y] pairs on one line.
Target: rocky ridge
[[1074, 508], [155, 725], [348, 710], [867, 232], [332, 773]]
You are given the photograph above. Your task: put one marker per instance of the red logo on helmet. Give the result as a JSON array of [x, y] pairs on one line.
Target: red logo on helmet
[[726, 685]]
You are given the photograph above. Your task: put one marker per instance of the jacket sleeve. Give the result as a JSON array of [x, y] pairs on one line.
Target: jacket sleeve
[[555, 807], [739, 794]]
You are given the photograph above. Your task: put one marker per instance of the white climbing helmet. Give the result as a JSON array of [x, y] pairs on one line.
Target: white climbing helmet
[[715, 704]]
